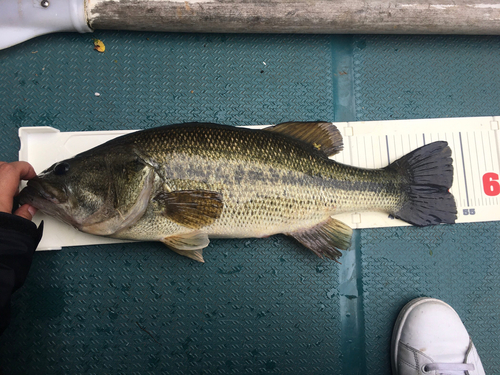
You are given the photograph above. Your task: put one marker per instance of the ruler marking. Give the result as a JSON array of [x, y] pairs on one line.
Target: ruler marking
[[357, 153], [497, 149], [485, 166], [366, 154], [375, 163], [387, 143], [351, 140], [496, 132], [373, 153], [423, 137], [473, 187], [493, 166], [380, 149], [491, 151], [479, 197], [497, 167], [456, 175], [484, 153], [395, 148], [496, 142], [463, 165]]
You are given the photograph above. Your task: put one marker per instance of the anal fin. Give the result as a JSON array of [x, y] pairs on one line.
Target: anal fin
[[325, 239], [193, 254], [190, 245]]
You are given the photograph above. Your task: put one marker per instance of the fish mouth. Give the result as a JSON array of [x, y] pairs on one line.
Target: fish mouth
[[40, 197], [36, 195]]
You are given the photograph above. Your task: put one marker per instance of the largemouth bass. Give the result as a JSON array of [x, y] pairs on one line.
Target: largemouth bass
[[183, 184]]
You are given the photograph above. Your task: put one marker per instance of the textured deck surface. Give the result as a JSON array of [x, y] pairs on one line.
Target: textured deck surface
[[255, 306]]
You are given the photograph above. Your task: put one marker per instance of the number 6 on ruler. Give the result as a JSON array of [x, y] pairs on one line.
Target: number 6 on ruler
[[491, 185]]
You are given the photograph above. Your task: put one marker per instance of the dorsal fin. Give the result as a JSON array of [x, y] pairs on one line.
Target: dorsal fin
[[324, 136]]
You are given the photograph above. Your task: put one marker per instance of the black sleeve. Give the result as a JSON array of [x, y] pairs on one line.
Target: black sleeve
[[18, 240]]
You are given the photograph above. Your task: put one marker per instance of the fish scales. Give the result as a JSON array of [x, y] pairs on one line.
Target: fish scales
[[182, 184], [270, 185]]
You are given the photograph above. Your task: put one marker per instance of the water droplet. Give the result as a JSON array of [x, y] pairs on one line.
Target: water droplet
[[271, 365]]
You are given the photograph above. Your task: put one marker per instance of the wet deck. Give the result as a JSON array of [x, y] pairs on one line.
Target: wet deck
[[255, 306]]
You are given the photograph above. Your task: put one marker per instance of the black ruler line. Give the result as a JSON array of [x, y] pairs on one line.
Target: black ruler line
[[387, 144]]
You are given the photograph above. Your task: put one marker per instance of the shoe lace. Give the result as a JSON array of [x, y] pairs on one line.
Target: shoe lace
[[449, 367]]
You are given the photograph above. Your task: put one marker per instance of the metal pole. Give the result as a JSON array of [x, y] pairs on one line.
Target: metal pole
[[299, 16]]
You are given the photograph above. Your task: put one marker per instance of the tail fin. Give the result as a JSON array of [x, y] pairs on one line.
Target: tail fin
[[427, 174]]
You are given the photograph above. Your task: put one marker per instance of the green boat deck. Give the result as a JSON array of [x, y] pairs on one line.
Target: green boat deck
[[256, 305]]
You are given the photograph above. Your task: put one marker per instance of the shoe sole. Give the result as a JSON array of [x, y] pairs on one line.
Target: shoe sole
[[398, 326]]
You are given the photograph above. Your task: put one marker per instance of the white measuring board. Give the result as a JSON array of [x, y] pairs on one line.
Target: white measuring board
[[474, 142]]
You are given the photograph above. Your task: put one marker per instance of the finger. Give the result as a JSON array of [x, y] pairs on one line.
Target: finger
[[10, 175], [26, 211], [25, 170]]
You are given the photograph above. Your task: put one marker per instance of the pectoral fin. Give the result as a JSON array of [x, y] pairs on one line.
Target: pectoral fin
[[190, 245], [325, 239], [191, 208]]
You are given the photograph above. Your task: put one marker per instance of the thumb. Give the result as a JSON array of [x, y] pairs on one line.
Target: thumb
[[26, 211]]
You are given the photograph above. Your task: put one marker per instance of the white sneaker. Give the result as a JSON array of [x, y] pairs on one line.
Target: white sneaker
[[430, 338]]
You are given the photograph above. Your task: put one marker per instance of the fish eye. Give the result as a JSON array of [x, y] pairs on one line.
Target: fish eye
[[61, 169]]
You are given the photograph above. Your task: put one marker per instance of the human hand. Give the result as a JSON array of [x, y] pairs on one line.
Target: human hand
[[10, 176]]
